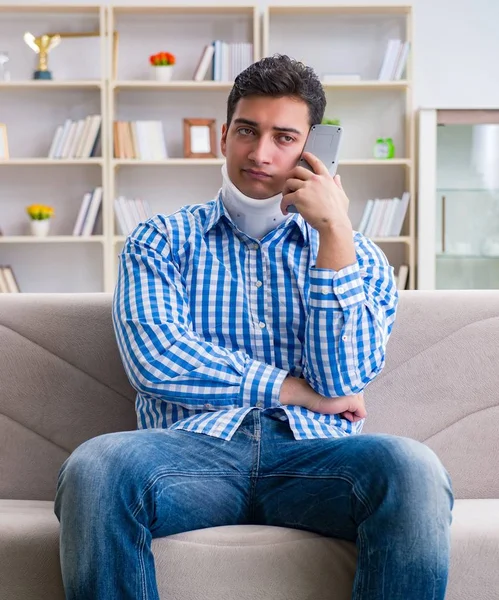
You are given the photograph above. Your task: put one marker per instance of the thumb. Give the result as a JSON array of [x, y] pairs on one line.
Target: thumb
[[337, 180]]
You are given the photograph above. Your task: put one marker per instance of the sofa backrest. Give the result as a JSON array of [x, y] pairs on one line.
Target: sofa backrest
[[62, 382]]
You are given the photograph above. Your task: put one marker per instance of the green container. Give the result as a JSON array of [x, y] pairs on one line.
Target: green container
[[384, 148]]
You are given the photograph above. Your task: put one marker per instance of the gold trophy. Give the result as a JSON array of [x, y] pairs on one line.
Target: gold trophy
[[42, 46]]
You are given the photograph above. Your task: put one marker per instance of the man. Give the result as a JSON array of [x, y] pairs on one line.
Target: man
[[250, 334]]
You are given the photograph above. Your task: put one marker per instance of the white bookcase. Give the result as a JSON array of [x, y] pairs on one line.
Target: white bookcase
[[353, 39], [133, 95], [115, 81], [32, 110]]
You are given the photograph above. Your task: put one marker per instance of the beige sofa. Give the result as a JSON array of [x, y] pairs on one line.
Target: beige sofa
[[61, 382]]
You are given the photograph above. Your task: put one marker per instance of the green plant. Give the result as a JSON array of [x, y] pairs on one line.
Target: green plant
[[326, 121]]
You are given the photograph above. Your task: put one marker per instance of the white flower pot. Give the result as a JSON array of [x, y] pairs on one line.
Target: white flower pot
[[39, 228], [163, 73]]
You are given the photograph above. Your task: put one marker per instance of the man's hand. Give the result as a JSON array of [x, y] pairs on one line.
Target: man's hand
[[298, 392], [318, 197]]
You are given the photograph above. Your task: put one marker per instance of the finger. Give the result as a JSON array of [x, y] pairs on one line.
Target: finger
[[291, 185], [347, 415], [301, 173], [317, 165], [337, 180], [287, 200]]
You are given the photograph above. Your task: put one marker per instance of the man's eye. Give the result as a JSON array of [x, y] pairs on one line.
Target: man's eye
[[287, 138], [245, 130]]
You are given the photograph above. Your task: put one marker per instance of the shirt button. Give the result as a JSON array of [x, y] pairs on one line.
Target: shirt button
[[208, 407], [254, 247], [258, 284], [325, 290], [261, 325], [259, 404], [341, 289], [344, 338]]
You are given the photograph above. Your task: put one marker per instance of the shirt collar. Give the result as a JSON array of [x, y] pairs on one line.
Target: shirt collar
[[217, 211]]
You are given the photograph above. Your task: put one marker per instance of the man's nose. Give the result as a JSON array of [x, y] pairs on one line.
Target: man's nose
[[262, 150]]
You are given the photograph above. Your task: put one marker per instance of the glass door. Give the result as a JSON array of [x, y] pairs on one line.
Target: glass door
[[467, 203], [464, 228]]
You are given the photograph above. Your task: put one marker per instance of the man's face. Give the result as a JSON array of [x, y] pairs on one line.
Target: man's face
[[264, 142]]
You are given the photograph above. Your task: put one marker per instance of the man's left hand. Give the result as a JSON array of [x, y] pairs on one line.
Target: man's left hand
[[318, 196]]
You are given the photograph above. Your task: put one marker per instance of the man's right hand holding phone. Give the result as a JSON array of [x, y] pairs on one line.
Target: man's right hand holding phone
[[298, 392]]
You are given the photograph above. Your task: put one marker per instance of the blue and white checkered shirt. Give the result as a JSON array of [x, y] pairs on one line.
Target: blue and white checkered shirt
[[210, 321]]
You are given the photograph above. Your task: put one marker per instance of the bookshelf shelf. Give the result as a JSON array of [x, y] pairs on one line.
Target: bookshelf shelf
[[169, 162], [50, 85], [342, 9], [190, 162], [171, 85], [51, 162], [367, 85], [196, 9], [52, 239], [401, 239]]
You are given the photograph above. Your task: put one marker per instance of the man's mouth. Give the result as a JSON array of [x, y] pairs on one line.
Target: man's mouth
[[254, 174]]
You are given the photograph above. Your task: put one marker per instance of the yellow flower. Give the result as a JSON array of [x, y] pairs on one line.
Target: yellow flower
[[39, 212]]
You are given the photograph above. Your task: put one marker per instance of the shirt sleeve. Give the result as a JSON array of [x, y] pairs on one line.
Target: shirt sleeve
[[350, 318], [163, 356]]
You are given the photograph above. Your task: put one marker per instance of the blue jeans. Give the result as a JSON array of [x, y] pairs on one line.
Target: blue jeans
[[390, 495]]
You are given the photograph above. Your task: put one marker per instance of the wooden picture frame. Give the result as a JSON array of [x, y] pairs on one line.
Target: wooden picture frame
[[4, 142], [199, 138]]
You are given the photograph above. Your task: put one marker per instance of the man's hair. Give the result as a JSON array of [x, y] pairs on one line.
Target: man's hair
[[279, 76]]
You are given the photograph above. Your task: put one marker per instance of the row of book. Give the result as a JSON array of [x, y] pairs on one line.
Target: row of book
[[394, 61], [76, 139], [89, 210], [130, 212], [143, 140], [223, 61], [384, 217], [8, 281]]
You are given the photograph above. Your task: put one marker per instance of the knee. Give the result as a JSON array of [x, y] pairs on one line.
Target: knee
[[413, 473], [92, 463]]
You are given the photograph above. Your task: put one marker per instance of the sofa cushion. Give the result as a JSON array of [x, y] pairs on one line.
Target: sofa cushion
[[256, 561]]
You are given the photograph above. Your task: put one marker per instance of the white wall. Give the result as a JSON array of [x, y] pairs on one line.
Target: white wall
[[456, 48]]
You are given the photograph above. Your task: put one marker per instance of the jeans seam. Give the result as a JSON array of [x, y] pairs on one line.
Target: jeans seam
[[142, 568], [357, 493], [255, 469]]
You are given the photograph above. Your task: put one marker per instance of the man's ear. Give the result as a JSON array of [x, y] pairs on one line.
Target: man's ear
[[223, 139]]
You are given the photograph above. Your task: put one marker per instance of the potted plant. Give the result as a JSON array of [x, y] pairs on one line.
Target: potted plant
[[40, 216], [162, 64]]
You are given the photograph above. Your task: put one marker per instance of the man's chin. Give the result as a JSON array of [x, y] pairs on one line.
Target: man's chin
[[257, 191]]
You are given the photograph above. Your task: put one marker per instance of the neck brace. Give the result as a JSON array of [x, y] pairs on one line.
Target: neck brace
[[253, 217]]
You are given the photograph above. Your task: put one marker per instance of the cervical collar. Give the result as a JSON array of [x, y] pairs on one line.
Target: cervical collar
[[254, 217]]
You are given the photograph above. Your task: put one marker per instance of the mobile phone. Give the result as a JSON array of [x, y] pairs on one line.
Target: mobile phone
[[323, 141]]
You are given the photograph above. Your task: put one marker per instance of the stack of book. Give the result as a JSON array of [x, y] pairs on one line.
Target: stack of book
[[143, 140], [76, 139], [89, 210], [394, 61], [384, 217], [8, 281], [130, 212], [222, 61]]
